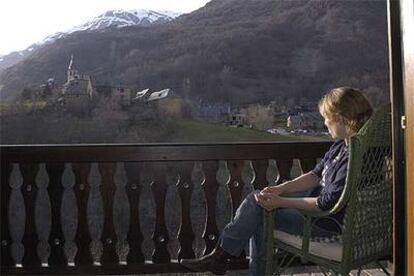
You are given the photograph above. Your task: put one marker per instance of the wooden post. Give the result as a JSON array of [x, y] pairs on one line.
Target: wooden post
[[83, 237], [30, 238], [186, 234], [56, 240], [6, 259], [210, 185]]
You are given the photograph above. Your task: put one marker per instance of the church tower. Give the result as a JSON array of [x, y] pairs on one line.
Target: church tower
[[78, 90], [72, 73]]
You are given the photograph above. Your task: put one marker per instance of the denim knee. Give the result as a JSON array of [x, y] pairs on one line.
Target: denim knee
[[251, 200], [250, 197]]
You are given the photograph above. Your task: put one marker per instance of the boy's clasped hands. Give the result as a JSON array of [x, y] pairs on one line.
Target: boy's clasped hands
[[269, 198]]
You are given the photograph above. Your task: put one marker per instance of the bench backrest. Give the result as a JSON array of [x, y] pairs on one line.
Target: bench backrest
[[368, 220]]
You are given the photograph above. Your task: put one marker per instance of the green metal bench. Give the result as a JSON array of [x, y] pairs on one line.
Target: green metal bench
[[366, 233]]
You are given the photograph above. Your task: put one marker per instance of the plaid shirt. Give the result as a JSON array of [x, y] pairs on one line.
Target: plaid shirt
[[332, 170]]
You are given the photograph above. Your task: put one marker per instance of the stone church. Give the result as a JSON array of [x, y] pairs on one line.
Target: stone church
[[78, 91]]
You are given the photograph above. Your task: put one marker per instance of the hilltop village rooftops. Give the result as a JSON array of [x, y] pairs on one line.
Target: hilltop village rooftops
[[159, 95], [147, 96]]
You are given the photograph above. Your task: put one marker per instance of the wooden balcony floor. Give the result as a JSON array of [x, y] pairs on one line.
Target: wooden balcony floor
[[297, 271]]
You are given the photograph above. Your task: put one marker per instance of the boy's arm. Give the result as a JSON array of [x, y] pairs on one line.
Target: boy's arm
[[272, 201], [302, 183]]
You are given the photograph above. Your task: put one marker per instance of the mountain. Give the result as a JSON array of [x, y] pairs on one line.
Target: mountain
[[121, 18], [236, 51], [109, 19], [13, 58]]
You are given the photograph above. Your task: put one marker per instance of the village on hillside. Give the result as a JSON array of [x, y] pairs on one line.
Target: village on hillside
[[79, 94]]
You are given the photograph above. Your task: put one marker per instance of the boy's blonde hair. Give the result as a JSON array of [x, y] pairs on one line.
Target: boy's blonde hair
[[349, 103]]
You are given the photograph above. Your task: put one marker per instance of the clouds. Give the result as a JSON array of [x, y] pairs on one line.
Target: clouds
[[25, 22]]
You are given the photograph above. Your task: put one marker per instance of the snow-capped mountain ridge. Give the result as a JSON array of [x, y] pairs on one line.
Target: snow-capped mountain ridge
[[109, 19], [117, 19], [122, 18]]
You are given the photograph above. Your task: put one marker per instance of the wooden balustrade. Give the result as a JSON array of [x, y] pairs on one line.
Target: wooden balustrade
[[84, 209]]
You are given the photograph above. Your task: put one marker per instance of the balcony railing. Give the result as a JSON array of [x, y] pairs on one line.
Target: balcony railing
[[77, 209]]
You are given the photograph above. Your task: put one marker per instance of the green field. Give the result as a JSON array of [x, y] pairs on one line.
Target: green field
[[198, 131], [23, 107]]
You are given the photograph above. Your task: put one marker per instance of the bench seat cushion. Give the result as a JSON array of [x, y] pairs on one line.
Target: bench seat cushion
[[323, 247]]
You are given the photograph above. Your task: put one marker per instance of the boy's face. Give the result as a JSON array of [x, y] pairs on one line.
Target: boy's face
[[336, 127]]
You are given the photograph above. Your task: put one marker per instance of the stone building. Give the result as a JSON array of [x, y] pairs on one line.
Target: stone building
[[305, 120], [78, 90]]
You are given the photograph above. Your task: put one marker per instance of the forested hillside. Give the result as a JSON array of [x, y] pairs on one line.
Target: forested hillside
[[237, 51]]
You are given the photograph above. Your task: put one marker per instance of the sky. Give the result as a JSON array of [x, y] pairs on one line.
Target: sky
[[24, 22]]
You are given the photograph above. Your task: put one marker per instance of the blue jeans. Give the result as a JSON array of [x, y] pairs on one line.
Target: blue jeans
[[248, 223]]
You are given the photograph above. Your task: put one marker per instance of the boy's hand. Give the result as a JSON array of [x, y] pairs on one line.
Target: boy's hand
[[268, 200], [276, 190]]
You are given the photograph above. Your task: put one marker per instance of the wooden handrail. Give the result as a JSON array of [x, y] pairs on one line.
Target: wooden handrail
[[161, 152]]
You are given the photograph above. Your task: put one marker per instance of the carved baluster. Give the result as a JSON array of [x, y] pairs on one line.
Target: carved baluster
[[160, 237], [95, 214], [210, 187], [235, 187], [43, 215], [296, 170], [109, 240], [307, 164], [6, 259], [284, 167], [260, 168], [186, 234], [135, 237], [56, 240], [30, 238], [272, 173], [69, 215], [16, 216], [83, 238], [121, 213], [248, 177], [236, 183]]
